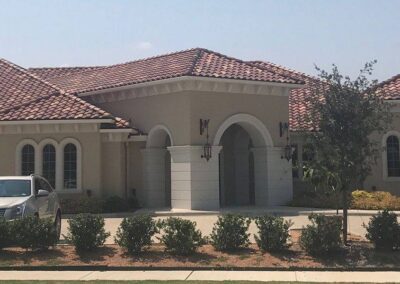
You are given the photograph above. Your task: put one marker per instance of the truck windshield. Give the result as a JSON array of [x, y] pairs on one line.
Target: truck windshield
[[15, 188]]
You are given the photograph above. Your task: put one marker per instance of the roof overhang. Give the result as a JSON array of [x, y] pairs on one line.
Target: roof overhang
[[53, 121], [190, 83]]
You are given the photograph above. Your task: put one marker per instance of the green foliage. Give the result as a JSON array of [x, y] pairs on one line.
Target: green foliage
[[317, 199], [5, 234], [230, 232], [98, 205], [323, 235], [384, 231], [33, 233], [180, 236], [86, 232], [134, 233], [377, 200], [273, 233]]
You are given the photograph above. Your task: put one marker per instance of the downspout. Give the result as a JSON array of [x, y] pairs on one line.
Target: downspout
[[126, 168]]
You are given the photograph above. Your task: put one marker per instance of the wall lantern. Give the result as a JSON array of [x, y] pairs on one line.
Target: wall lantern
[[207, 148], [288, 149]]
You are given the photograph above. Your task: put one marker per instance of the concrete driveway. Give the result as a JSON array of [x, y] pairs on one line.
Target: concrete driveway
[[205, 222]]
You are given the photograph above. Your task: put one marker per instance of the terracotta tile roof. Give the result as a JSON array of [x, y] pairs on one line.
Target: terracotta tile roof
[[24, 96], [390, 89], [196, 62], [50, 72], [299, 105]]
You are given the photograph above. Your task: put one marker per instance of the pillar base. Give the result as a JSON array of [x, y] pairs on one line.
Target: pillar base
[[194, 181]]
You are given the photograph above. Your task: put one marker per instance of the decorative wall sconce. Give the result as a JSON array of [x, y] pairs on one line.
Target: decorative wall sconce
[[207, 148], [288, 149]]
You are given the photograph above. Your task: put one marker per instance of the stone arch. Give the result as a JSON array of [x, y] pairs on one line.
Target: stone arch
[[256, 129]]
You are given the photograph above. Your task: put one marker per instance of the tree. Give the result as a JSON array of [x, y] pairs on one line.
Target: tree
[[344, 114]]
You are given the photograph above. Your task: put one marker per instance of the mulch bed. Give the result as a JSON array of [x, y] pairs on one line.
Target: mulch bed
[[360, 254]]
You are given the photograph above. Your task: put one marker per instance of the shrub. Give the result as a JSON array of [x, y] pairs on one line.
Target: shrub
[[135, 232], [377, 200], [34, 233], [81, 205], [115, 204], [317, 199], [384, 231], [230, 232], [180, 236], [5, 234], [323, 235], [86, 232], [273, 233]]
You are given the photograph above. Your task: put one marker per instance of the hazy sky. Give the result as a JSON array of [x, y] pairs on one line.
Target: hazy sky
[[296, 34]]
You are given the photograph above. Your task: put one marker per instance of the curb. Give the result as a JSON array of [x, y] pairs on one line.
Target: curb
[[166, 268]]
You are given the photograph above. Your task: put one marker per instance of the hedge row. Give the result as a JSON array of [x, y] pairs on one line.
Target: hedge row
[[180, 236]]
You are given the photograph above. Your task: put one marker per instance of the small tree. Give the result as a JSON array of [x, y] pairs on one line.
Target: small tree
[[344, 113]]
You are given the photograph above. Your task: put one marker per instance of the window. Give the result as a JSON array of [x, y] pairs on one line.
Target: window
[[49, 164], [27, 160], [393, 156], [70, 166]]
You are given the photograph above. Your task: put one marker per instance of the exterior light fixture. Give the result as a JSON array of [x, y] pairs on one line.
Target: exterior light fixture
[[207, 148]]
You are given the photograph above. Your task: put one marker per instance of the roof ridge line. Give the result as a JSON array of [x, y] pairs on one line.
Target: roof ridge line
[[128, 62], [26, 72], [248, 63], [284, 68], [395, 77]]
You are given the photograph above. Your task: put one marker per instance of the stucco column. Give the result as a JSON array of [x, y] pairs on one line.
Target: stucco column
[[280, 184], [260, 176], [154, 176], [194, 181]]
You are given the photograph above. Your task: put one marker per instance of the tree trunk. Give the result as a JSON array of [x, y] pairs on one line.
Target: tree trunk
[[345, 213]]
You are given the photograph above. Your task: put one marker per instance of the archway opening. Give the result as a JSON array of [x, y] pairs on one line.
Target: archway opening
[[237, 183]]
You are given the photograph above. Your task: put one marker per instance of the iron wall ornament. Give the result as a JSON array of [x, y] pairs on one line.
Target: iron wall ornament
[[288, 149], [207, 148]]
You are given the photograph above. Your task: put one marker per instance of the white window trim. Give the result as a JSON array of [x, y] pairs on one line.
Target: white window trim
[[42, 144], [63, 143], [38, 147], [384, 156], [18, 155]]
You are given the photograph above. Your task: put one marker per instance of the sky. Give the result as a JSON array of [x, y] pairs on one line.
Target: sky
[[298, 34]]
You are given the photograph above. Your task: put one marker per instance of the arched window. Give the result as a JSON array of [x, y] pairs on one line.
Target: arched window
[[27, 160], [49, 164], [70, 166], [393, 156]]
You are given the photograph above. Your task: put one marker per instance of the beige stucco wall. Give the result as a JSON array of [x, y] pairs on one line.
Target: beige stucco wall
[[171, 110], [218, 107], [91, 152], [377, 177]]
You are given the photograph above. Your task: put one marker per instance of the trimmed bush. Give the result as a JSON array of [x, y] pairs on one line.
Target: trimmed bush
[[383, 231], [180, 236], [323, 235], [33, 233], [230, 233], [378, 200], [134, 233], [86, 232], [5, 234], [273, 233]]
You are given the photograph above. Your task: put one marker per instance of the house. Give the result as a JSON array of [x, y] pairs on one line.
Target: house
[[193, 129]]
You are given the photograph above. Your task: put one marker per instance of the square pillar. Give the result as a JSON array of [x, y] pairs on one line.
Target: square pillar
[[154, 176], [272, 177], [280, 181], [194, 181]]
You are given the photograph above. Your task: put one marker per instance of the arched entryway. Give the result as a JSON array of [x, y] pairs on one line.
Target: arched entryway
[[243, 161], [157, 167]]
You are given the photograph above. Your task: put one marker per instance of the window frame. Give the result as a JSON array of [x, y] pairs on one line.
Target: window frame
[[385, 174]]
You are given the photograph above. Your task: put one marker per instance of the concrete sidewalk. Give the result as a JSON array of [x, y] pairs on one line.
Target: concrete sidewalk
[[300, 276]]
